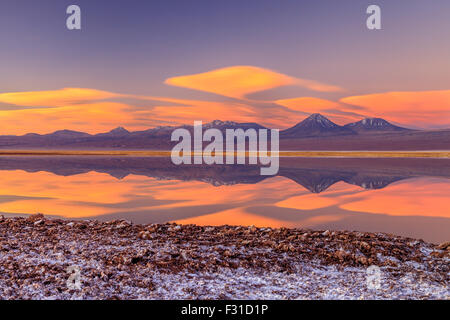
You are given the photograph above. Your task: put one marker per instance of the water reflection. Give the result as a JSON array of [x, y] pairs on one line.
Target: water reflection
[[401, 196]]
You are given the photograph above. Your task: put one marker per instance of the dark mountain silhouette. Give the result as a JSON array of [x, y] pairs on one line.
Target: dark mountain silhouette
[[117, 132], [166, 131], [316, 125], [374, 125], [223, 125], [67, 134], [314, 133]]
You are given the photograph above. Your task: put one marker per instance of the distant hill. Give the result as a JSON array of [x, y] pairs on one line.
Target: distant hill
[[67, 134], [117, 132], [223, 125], [374, 125]]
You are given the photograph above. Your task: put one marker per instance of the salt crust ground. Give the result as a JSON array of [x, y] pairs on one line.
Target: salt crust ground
[[118, 260]]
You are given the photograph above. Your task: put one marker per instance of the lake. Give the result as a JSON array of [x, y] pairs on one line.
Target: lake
[[407, 197]]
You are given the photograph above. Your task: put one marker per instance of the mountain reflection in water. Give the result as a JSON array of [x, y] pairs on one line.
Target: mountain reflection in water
[[402, 196]]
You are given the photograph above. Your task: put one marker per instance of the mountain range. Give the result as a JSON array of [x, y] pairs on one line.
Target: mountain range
[[313, 133]]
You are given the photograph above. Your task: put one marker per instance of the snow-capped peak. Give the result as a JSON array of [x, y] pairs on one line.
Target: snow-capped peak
[[321, 120], [119, 130], [374, 124]]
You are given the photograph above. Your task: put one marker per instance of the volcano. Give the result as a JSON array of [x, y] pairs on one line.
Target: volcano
[[374, 125], [316, 125]]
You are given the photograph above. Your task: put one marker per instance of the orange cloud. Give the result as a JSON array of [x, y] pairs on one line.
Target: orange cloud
[[92, 118], [239, 81], [55, 98], [72, 108], [188, 111], [316, 105], [308, 104], [88, 109], [421, 108]]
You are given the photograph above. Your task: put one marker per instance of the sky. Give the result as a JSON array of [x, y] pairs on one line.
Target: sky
[[141, 64]]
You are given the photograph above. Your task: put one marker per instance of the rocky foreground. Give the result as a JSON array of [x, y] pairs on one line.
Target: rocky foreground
[[59, 259]]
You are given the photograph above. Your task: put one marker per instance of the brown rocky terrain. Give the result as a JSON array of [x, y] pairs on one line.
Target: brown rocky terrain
[[119, 260]]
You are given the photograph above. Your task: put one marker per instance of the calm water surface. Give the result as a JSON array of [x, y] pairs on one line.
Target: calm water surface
[[408, 197]]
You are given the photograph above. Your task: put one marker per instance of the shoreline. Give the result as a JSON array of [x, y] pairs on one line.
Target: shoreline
[[119, 260], [425, 154]]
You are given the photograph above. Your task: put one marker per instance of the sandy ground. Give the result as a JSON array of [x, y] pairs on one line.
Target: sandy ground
[[60, 259]]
